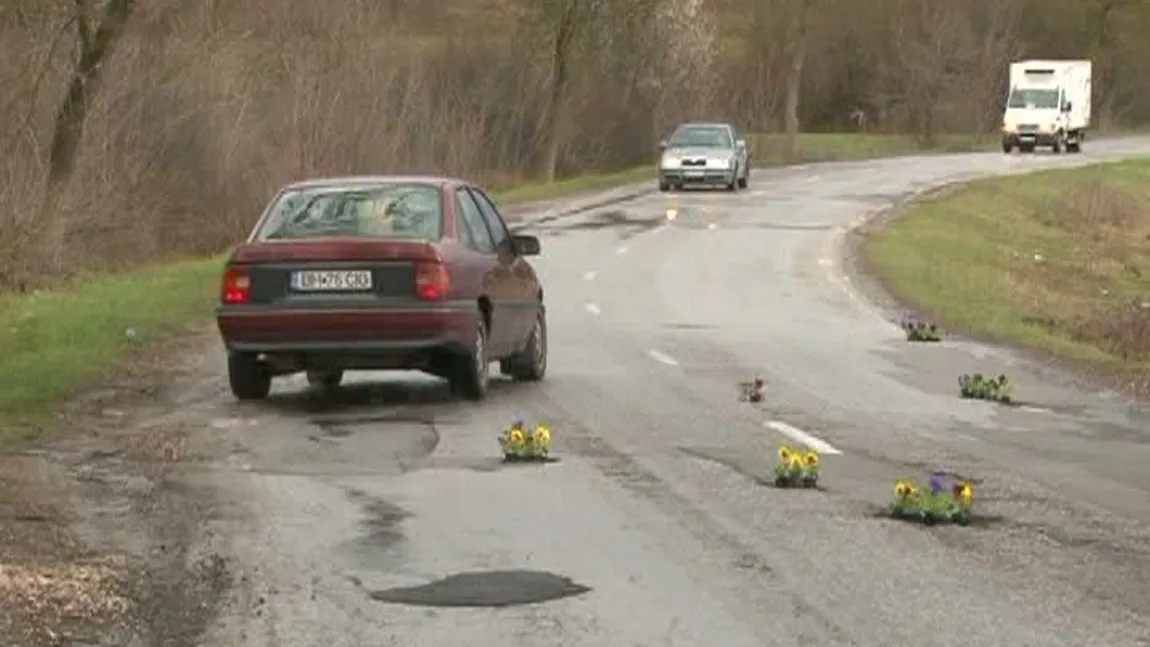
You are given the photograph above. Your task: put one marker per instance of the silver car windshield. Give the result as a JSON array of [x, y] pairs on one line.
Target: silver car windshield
[[701, 137], [380, 211]]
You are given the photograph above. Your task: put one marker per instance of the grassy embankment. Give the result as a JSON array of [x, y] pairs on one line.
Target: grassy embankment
[[1058, 261], [54, 342]]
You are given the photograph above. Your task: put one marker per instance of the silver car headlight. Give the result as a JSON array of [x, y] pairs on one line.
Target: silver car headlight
[[671, 162], [719, 163]]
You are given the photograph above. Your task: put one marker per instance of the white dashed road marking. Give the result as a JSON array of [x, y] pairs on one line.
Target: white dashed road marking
[[593, 309], [588, 276], [662, 358], [801, 437]]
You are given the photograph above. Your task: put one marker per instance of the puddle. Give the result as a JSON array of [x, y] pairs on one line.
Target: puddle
[[689, 326], [381, 519], [491, 589]]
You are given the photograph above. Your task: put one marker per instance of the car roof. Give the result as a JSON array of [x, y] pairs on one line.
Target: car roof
[[358, 180], [706, 124]]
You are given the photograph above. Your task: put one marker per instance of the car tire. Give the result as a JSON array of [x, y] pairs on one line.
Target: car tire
[[734, 183], [1007, 148], [326, 380], [530, 364], [472, 372], [248, 377], [743, 181]]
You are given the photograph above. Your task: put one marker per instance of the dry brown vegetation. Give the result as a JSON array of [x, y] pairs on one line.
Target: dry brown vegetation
[[134, 130]]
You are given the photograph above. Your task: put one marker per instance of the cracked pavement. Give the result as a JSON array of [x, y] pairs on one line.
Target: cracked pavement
[[653, 528]]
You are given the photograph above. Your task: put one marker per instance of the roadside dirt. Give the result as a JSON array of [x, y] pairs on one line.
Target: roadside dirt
[[101, 540]]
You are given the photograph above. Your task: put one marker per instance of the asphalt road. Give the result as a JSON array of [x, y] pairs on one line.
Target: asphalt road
[[382, 515]]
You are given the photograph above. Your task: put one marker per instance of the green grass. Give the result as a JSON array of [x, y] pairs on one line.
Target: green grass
[[535, 191], [824, 147], [1057, 261], [52, 342], [55, 342]]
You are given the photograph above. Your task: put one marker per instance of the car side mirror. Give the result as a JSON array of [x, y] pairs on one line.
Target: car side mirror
[[742, 144], [526, 245]]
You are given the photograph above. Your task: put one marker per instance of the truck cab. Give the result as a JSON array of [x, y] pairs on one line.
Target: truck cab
[[1048, 105]]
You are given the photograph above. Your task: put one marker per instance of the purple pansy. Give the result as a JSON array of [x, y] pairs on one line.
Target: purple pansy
[[936, 484]]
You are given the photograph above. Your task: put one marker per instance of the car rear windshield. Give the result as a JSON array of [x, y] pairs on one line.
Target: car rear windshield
[[372, 211], [709, 136]]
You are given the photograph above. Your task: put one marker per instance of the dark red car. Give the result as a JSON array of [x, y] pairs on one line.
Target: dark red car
[[374, 273]]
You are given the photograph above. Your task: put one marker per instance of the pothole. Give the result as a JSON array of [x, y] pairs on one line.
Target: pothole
[[490, 589], [760, 475]]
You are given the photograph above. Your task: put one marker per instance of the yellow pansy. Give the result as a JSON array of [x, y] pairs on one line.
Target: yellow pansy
[[515, 437], [542, 434], [903, 488], [785, 453], [965, 493], [811, 458]]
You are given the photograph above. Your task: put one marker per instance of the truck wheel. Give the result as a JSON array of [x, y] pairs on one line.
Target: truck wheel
[[249, 378]]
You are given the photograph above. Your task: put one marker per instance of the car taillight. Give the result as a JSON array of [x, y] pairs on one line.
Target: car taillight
[[237, 286], [431, 281]]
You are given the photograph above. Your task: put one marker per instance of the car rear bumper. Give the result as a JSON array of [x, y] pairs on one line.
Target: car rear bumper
[[378, 331], [710, 176]]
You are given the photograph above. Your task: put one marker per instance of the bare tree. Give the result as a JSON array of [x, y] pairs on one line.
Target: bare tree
[[797, 54], [94, 45]]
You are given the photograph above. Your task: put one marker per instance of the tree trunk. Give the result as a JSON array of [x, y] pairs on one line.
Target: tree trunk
[[560, 73], [798, 51], [94, 49], [73, 110]]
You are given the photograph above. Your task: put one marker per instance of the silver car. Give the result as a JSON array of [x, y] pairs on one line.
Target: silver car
[[704, 154]]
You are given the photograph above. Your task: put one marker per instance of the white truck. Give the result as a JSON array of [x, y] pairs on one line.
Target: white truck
[[1049, 105]]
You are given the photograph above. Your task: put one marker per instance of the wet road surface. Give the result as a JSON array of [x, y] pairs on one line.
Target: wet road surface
[[382, 515]]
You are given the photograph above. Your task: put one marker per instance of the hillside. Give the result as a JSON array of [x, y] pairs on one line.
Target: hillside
[[197, 110]]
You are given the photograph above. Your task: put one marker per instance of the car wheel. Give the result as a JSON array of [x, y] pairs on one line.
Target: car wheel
[[733, 185], [530, 364], [1007, 148], [743, 181], [473, 371], [249, 378], [326, 380]]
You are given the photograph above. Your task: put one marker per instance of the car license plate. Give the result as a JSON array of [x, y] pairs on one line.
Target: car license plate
[[331, 281], [695, 173]]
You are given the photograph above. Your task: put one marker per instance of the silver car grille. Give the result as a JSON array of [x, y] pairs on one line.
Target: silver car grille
[[699, 161]]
